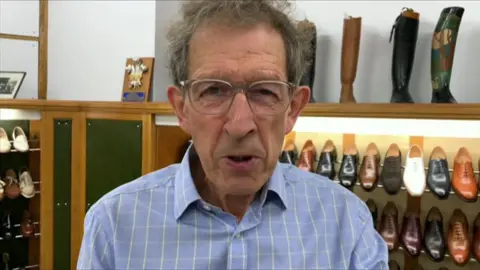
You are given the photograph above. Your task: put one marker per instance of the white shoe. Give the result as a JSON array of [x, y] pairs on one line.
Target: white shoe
[[2, 190], [20, 141], [414, 177], [27, 188], [5, 144]]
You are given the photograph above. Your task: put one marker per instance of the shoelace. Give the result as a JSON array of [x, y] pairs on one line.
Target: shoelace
[[390, 224], [458, 231], [390, 165], [466, 172], [436, 230], [370, 162]]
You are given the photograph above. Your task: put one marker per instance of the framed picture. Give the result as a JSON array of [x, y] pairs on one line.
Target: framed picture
[[10, 82]]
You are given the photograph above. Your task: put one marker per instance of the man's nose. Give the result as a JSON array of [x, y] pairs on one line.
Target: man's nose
[[241, 119]]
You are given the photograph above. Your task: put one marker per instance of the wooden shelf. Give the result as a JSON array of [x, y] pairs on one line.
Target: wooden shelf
[[364, 110], [386, 110]]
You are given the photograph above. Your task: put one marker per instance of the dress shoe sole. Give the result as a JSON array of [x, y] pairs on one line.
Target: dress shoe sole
[[439, 197], [431, 258], [463, 198], [415, 194], [369, 188]]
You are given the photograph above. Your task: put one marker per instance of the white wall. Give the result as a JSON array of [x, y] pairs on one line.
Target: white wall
[[373, 75], [21, 18], [89, 42]]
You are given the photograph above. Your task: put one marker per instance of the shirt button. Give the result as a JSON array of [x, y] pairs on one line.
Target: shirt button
[[238, 236], [206, 207]]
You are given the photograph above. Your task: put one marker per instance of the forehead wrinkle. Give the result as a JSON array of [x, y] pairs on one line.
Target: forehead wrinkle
[[234, 76]]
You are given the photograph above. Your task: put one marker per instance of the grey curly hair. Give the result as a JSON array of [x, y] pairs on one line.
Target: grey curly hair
[[274, 13]]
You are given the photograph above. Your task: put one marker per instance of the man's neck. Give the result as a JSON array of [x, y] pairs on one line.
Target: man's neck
[[233, 204]]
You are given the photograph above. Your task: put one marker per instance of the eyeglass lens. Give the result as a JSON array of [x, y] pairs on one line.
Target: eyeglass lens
[[215, 97]]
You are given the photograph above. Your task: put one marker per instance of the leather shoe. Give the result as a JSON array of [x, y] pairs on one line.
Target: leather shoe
[[289, 153], [326, 161], [434, 240], [27, 228], [307, 156], [7, 226], [349, 168], [476, 238], [411, 235], [6, 265], [391, 175], [438, 176], [12, 188], [393, 265], [369, 172], [414, 173], [458, 242], [389, 226], [373, 210], [464, 183]]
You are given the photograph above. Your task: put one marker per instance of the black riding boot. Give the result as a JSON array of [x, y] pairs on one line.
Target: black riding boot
[[404, 31]]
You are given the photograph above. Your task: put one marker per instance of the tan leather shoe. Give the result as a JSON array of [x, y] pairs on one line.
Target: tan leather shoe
[[369, 170], [12, 188], [307, 157], [458, 242], [464, 183]]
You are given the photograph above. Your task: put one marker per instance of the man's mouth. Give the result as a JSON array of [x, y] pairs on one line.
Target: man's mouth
[[240, 159]]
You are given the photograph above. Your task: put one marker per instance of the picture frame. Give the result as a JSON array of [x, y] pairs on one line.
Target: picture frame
[[10, 83]]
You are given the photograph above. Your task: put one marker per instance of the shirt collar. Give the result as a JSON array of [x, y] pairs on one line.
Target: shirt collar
[[185, 192]]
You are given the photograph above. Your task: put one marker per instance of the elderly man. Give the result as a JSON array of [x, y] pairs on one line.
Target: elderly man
[[229, 204]]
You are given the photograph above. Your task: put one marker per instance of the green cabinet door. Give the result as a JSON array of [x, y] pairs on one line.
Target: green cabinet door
[[62, 177], [113, 156]]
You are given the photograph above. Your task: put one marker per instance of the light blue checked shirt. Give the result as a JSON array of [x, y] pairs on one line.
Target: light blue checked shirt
[[300, 221]]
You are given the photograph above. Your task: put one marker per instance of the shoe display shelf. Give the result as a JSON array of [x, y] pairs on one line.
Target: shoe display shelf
[[419, 179], [19, 194]]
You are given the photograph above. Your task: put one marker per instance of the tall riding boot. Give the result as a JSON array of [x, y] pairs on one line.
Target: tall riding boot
[[405, 41], [352, 28], [310, 31], [443, 51]]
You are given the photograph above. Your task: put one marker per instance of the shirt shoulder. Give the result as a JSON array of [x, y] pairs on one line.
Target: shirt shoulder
[[134, 192], [326, 192]]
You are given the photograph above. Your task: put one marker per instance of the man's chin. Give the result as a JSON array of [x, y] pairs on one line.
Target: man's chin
[[242, 186]]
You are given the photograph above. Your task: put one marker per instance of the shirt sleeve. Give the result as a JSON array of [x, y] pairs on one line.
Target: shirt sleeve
[[96, 251], [370, 251]]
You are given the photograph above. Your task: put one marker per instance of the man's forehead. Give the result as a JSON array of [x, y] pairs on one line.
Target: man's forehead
[[237, 76]]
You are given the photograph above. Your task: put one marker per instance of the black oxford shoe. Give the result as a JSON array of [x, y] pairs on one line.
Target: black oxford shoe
[[347, 174], [438, 177], [391, 176], [326, 161], [434, 240]]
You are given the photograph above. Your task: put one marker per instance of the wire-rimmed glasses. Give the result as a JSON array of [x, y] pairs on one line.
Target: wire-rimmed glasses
[[214, 97]]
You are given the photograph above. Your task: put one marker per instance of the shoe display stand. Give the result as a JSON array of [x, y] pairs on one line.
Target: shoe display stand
[[77, 165], [20, 204], [351, 149]]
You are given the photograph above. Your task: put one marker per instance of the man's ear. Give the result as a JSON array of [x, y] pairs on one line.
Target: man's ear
[[300, 99], [177, 101]]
